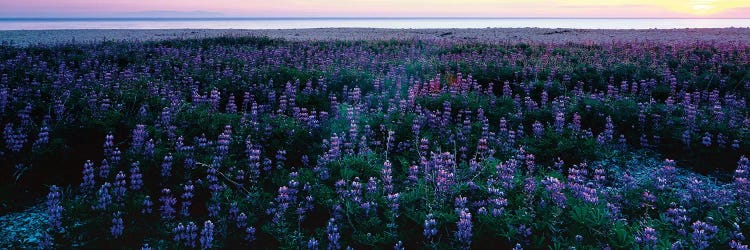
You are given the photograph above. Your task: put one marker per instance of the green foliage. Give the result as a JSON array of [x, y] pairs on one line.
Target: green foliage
[[178, 76]]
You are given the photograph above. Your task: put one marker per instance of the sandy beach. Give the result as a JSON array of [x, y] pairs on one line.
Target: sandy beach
[[489, 35]]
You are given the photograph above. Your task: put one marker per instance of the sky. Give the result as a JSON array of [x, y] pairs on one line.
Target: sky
[[379, 8]]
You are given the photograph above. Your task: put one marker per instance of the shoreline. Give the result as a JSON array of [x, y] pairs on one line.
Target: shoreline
[[728, 36]]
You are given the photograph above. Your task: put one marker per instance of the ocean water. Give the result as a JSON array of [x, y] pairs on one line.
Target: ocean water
[[396, 23]]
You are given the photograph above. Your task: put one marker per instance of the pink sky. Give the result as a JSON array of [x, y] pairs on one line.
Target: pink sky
[[383, 8]]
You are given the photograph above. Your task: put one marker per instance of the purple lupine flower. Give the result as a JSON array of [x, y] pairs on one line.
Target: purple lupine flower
[[525, 231], [149, 148], [88, 183], [54, 208], [207, 235], [506, 173], [559, 122], [430, 227], [424, 144], [341, 188], [14, 138], [143, 111], [686, 138], [697, 191], [368, 206], [234, 211], [497, 201], [312, 244], [115, 159], [742, 180], [393, 203], [413, 174], [444, 177], [736, 234], [576, 178], [444, 180], [706, 140], [555, 190], [721, 140], [54, 195], [231, 106], [280, 205], [241, 221], [558, 165], [648, 199], [678, 217], [104, 199], [59, 109], [578, 238], [24, 115], [214, 99], [600, 139], [253, 157], [737, 245], [148, 205], [213, 180], [166, 166], [609, 130], [42, 138], [136, 178], [190, 235], [386, 172], [538, 129], [372, 185], [529, 185], [364, 148], [529, 160], [576, 125], [239, 178], [702, 234], [223, 141], [463, 233], [140, 135], [187, 199], [179, 144], [250, 234], [104, 170], [647, 238], [202, 141], [332, 230], [120, 188], [355, 190], [118, 226], [666, 174], [599, 177], [166, 209], [483, 148], [267, 165], [334, 151], [306, 206], [390, 140], [214, 207], [459, 204], [399, 246]]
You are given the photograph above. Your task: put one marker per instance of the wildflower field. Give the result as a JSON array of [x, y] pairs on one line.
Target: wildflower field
[[253, 142]]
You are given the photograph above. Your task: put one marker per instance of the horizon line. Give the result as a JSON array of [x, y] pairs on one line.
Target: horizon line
[[334, 17]]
